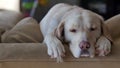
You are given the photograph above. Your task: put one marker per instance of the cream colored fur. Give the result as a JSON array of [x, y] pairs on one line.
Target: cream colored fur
[[64, 17]]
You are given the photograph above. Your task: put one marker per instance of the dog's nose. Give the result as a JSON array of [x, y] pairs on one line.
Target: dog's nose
[[84, 45]]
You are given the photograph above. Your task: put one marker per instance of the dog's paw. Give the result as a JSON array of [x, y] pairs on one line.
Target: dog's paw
[[103, 46], [55, 48], [92, 52]]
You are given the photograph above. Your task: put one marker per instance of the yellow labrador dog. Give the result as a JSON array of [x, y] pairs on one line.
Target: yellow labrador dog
[[83, 29]]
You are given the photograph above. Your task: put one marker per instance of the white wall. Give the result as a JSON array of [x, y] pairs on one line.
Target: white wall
[[10, 5]]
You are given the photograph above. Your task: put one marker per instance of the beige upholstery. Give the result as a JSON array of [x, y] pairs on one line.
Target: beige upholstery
[[1, 32], [26, 31], [9, 19], [38, 52], [29, 55], [114, 26], [34, 55], [61, 65]]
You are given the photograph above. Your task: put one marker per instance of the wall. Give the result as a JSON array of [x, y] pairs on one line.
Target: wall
[[42, 10]]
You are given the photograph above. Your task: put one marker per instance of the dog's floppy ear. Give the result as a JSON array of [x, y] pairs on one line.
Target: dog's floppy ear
[[59, 32], [105, 30]]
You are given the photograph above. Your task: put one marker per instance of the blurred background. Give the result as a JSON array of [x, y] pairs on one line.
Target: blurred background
[[38, 8]]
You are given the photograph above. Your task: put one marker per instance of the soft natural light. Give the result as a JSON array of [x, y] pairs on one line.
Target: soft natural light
[[10, 5]]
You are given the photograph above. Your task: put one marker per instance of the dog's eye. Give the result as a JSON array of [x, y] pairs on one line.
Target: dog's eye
[[92, 29], [73, 30]]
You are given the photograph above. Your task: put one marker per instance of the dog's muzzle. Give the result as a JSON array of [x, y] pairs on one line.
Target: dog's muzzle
[[84, 46]]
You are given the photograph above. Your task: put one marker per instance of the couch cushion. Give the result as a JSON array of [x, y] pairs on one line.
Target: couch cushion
[[114, 26], [1, 32], [34, 64], [26, 31], [38, 52], [9, 19]]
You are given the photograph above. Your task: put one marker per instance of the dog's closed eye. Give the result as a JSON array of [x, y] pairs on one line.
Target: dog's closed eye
[[92, 28], [73, 30]]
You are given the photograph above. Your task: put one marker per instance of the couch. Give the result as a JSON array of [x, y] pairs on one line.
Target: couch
[[21, 46]]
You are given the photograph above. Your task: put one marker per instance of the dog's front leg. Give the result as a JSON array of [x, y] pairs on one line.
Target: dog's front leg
[[55, 47], [103, 46]]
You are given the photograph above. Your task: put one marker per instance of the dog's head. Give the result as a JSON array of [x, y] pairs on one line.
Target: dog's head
[[82, 29]]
